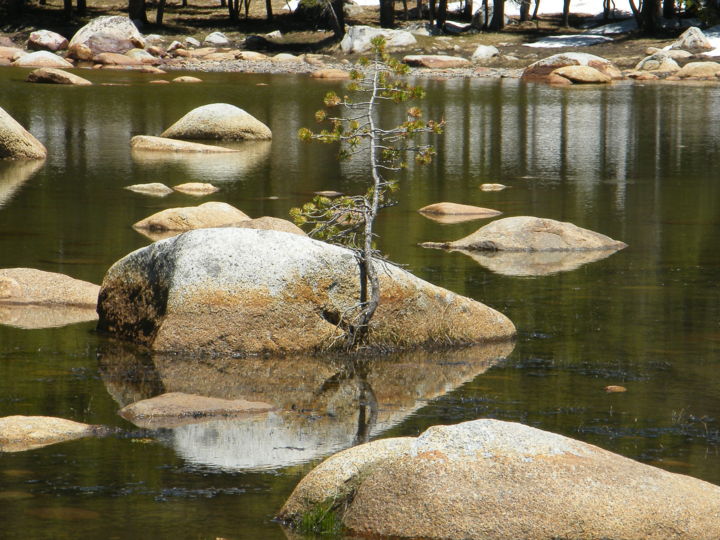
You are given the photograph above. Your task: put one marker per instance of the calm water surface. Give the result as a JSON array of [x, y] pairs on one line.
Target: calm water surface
[[638, 163]]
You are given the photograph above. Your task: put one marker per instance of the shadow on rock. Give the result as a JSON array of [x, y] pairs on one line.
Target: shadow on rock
[[321, 405]]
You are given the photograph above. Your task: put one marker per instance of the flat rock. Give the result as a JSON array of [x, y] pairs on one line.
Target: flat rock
[[357, 39], [539, 71], [16, 142], [22, 286], [177, 408], [582, 75], [526, 233], [244, 291], [20, 433], [42, 59], [196, 188], [210, 214], [493, 187], [45, 40], [218, 121], [252, 56], [156, 189], [330, 73], [116, 59], [187, 79], [699, 70], [286, 57], [56, 76], [268, 223], [163, 144], [436, 61], [500, 480], [455, 209]]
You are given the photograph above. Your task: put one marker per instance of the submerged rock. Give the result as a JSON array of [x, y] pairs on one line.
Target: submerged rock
[[31, 286], [526, 233], [13, 174], [244, 291], [177, 408], [20, 433], [16, 142], [163, 144], [540, 71], [436, 61], [196, 188], [156, 189], [502, 480], [210, 214], [56, 76], [218, 121]]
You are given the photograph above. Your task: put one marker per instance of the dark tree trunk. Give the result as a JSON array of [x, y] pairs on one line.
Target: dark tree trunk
[[160, 12], [468, 10], [498, 19], [535, 11], [668, 9], [67, 9], [649, 16], [233, 8], [442, 13], [268, 10], [406, 15], [223, 3], [566, 13], [419, 9], [185, 4], [431, 12], [81, 7], [525, 10], [338, 15], [387, 13], [136, 10]]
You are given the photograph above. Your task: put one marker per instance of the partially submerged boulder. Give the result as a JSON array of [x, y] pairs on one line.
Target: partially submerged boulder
[[16, 142], [447, 212], [330, 73], [357, 39], [177, 408], [582, 75], [42, 59], [501, 480], [699, 70], [218, 121], [540, 71], [210, 214], [196, 188], [22, 286], [156, 189], [20, 433], [164, 144], [527, 233], [56, 76], [436, 61], [244, 291]]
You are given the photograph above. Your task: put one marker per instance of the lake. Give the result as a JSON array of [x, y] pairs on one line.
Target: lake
[[635, 162]]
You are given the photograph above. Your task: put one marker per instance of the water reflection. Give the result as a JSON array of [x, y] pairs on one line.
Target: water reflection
[[224, 167], [322, 404], [13, 174]]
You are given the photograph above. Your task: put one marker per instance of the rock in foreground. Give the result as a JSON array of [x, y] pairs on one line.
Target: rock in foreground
[[20, 433], [526, 233], [246, 291], [218, 121], [500, 480], [16, 142]]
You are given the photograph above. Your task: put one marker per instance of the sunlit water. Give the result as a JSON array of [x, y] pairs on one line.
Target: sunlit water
[[638, 163]]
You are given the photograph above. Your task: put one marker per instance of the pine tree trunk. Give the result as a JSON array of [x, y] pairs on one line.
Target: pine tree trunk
[[387, 13], [498, 19]]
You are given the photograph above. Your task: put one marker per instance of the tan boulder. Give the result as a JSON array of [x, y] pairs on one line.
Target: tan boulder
[[196, 188], [187, 79], [218, 121], [330, 73], [42, 59], [252, 56], [493, 187], [539, 71], [11, 53], [20, 433], [16, 142], [163, 144], [436, 61], [285, 57], [501, 480], [56, 76], [242, 291], [116, 59], [527, 233], [447, 212], [582, 75], [177, 408], [210, 214], [80, 51], [155, 189], [699, 70], [31, 286], [268, 223]]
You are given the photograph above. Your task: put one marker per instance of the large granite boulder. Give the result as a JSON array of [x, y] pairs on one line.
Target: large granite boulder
[[500, 480], [16, 142], [20, 433], [218, 121], [527, 233], [693, 39], [357, 39], [45, 40], [115, 34], [246, 291], [42, 59], [56, 76], [542, 69]]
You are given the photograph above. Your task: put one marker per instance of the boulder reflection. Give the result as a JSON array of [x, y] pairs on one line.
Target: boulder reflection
[[13, 174], [540, 263], [322, 404]]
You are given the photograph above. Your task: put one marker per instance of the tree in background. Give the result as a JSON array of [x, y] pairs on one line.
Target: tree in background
[[350, 220]]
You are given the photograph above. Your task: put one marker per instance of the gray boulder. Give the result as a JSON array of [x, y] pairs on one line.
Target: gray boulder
[[107, 32], [484, 52], [216, 39], [45, 40], [526, 233], [357, 39], [659, 61], [245, 291], [218, 121], [16, 142], [693, 39], [500, 480], [20, 433]]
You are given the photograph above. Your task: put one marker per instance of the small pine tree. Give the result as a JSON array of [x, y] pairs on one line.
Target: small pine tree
[[349, 220]]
